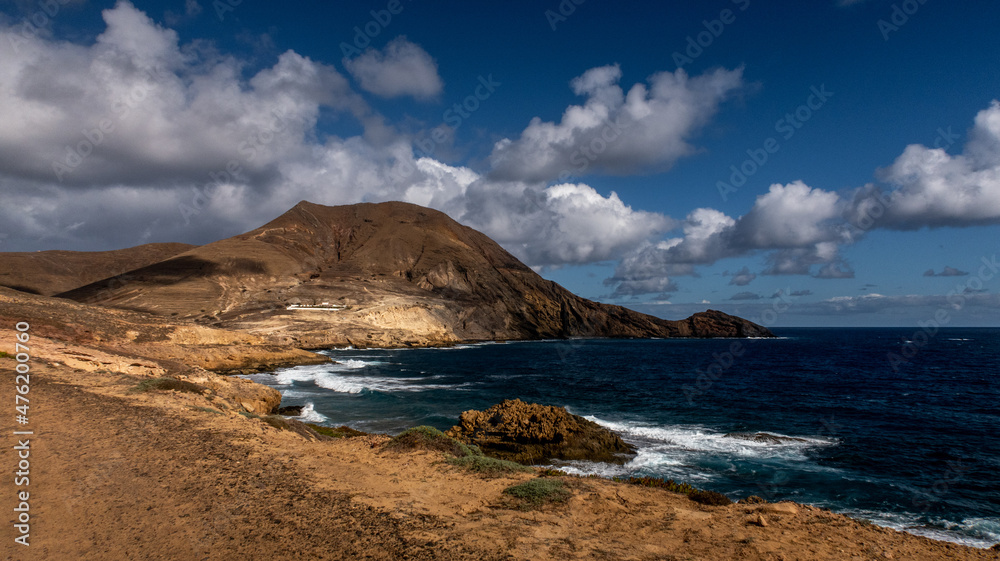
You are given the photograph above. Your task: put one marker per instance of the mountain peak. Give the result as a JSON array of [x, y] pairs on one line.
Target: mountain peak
[[381, 274]]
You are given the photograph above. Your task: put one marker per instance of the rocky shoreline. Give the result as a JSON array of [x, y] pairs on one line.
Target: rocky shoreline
[[143, 446], [128, 467]]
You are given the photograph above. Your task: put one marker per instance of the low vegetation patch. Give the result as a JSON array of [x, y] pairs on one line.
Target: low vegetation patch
[[249, 415], [656, 482], [538, 492], [339, 432], [276, 421], [306, 431], [167, 384], [700, 496], [490, 467], [429, 438], [710, 498], [4, 354]]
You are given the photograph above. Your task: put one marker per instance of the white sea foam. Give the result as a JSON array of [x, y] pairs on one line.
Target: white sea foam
[[310, 415], [579, 467], [987, 530], [354, 364], [295, 394], [344, 378], [681, 439], [973, 532]]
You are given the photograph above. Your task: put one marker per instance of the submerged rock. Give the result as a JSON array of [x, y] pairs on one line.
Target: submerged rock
[[765, 437], [530, 433]]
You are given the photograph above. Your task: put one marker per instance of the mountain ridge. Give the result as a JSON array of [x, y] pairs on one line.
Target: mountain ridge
[[51, 272], [393, 274]]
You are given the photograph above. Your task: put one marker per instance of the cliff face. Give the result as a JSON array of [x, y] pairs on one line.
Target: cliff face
[[389, 274]]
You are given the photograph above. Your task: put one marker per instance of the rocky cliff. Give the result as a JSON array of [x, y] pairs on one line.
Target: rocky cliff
[[530, 433]]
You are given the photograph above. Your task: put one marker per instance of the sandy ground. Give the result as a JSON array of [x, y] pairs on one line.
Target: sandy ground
[[117, 474]]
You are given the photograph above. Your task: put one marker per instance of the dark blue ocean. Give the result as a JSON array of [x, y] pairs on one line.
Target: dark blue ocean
[[896, 426]]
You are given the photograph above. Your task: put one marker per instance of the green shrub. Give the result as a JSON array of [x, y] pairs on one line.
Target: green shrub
[[491, 467], [699, 496], [539, 491], [656, 482], [339, 432], [167, 384], [276, 421], [291, 425], [710, 498], [429, 438], [4, 354]]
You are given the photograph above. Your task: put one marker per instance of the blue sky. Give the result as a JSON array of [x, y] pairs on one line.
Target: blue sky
[[595, 141]]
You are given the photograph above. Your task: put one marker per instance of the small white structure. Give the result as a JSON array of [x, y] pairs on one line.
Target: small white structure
[[324, 306]]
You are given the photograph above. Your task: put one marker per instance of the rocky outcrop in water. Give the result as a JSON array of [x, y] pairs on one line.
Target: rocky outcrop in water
[[529, 433]]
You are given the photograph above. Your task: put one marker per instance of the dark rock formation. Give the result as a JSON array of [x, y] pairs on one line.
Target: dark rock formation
[[290, 410], [529, 433], [713, 323]]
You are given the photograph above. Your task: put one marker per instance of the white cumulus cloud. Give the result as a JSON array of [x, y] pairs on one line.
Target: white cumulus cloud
[[932, 188], [800, 226], [402, 68], [645, 129]]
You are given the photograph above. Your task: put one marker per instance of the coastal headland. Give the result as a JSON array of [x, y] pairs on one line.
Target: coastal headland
[[143, 447]]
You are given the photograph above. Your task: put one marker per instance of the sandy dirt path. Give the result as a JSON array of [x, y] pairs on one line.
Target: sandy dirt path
[[115, 479], [117, 474]]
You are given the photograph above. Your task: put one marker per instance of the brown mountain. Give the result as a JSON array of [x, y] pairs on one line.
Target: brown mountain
[[381, 274], [51, 272]]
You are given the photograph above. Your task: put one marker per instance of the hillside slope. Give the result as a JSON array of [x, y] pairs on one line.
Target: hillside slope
[[390, 274], [51, 272]]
